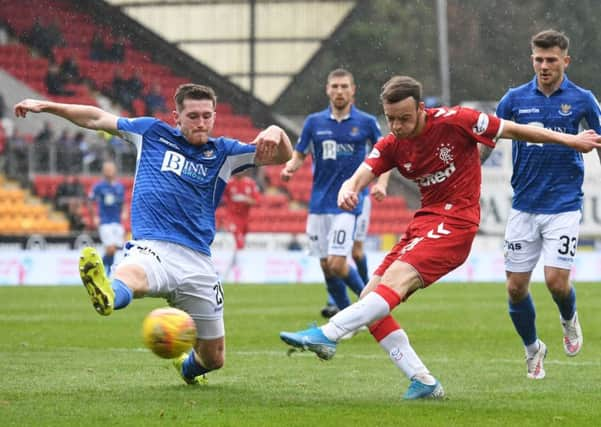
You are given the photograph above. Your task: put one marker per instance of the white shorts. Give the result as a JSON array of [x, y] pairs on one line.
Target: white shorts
[[331, 234], [528, 235], [112, 234], [363, 221], [185, 277]]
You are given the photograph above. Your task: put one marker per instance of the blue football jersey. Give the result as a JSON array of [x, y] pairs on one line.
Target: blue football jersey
[[338, 148], [547, 178], [177, 186], [109, 198]]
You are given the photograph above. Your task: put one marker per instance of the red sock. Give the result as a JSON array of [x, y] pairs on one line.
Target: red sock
[[391, 297], [380, 329]]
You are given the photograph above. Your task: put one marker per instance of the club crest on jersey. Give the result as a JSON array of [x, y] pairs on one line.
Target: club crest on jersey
[[565, 110], [177, 163], [354, 131], [481, 124], [209, 153], [444, 153]]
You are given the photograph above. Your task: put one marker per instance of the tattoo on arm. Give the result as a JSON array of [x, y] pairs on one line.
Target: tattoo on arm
[[484, 152]]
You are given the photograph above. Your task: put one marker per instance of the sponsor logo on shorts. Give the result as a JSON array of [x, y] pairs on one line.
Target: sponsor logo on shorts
[[147, 251], [513, 246]]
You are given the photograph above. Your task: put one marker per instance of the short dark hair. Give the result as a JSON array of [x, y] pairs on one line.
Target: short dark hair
[[401, 87], [550, 38], [341, 72], [193, 91]]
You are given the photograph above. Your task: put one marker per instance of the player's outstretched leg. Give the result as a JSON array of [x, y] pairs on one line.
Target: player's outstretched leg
[[311, 339], [179, 362], [572, 335], [93, 277], [534, 362], [419, 390]]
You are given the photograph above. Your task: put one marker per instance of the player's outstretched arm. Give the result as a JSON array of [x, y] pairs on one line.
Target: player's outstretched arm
[[273, 146], [583, 142], [85, 116], [292, 165], [348, 195], [379, 190]]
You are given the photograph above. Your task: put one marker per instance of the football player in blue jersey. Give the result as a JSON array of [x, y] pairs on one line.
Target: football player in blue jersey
[[180, 176], [337, 138], [547, 200], [109, 195]]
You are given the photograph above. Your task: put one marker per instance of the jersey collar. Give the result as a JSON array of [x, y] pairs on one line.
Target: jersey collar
[[563, 86], [348, 116]]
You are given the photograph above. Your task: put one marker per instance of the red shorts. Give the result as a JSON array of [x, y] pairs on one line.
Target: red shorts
[[434, 245]]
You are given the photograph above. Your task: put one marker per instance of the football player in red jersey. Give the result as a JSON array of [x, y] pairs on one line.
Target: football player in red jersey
[[438, 149], [239, 196]]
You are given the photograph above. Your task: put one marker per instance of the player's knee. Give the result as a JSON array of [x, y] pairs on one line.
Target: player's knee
[[337, 266], [559, 288], [516, 292]]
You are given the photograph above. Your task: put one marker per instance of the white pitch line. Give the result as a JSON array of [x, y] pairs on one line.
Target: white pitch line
[[280, 353]]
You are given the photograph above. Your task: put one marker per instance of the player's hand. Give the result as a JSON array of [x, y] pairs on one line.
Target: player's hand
[[585, 141], [22, 108], [267, 143], [287, 172], [378, 192], [348, 200]]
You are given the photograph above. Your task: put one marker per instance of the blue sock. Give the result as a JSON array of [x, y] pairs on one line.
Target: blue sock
[[108, 260], [191, 368], [330, 300], [523, 316], [123, 295], [567, 306], [337, 290], [362, 268], [354, 281]]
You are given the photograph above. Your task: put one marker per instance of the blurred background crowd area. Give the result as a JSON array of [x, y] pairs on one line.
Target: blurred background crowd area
[[267, 60]]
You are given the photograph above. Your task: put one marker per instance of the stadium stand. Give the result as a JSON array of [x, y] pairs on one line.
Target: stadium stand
[[284, 211], [20, 213]]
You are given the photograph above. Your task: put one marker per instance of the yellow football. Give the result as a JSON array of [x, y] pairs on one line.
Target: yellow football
[[168, 332]]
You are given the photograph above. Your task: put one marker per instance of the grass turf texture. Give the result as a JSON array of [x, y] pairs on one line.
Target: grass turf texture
[[61, 364]]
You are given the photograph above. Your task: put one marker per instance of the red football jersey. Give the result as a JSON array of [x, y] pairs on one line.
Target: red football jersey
[[443, 160], [237, 194]]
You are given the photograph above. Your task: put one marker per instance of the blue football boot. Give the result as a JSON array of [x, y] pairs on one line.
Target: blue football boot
[[419, 390], [311, 339]]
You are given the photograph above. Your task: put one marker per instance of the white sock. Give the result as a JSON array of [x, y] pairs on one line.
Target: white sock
[[532, 348], [399, 349], [363, 312]]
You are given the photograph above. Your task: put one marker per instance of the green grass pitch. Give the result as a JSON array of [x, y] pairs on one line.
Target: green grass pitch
[[63, 365]]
